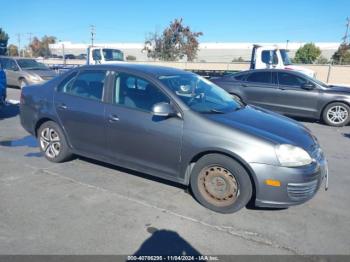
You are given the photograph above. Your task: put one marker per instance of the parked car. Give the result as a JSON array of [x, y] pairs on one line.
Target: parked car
[[178, 126], [82, 57], [290, 93], [69, 56], [25, 71], [2, 87]]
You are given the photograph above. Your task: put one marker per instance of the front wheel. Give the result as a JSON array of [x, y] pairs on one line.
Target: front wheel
[[220, 183], [336, 114]]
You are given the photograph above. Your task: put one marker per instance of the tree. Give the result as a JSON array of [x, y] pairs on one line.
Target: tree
[[322, 60], [12, 50], [4, 37], [307, 54], [41, 47], [176, 42], [342, 55]]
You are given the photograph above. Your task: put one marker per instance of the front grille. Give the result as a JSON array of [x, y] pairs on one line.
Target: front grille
[[302, 191]]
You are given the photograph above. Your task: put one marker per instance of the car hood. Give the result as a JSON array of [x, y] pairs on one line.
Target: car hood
[[43, 73], [267, 125], [338, 89]]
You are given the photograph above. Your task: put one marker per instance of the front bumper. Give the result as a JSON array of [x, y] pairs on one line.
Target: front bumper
[[298, 185]]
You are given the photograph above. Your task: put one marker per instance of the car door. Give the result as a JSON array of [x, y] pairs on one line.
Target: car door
[[293, 98], [136, 138], [260, 88], [79, 103], [12, 71]]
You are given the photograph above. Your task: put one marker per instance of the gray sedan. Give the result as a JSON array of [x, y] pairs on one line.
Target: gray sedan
[[24, 71], [178, 126], [290, 93]]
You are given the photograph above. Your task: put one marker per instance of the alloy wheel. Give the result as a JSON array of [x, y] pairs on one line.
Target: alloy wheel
[[337, 114], [50, 142]]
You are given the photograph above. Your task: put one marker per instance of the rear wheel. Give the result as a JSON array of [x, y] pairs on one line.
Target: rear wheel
[[336, 114], [220, 183], [53, 143]]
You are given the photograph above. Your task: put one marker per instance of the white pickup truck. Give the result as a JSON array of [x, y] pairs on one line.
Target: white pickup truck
[[102, 55], [274, 57]]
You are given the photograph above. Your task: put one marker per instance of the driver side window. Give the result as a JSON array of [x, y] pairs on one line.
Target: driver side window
[[137, 93], [288, 79]]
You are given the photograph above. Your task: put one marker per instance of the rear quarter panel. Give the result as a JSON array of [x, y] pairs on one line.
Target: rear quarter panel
[[36, 104], [231, 86]]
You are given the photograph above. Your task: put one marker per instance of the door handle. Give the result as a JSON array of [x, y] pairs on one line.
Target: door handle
[[62, 107], [244, 85], [113, 118]]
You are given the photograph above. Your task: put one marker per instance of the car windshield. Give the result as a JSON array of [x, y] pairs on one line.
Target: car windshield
[[285, 57], [112, 55], [319, 82], [31, 64], [200, 94]]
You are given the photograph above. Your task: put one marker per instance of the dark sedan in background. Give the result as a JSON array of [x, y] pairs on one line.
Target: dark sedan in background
[[178, 126], [290, 93]]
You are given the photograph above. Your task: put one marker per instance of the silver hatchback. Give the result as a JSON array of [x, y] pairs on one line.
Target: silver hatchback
[[25, 71]]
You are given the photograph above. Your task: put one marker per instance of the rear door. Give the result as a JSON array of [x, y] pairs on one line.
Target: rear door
[[79, 102], [260, 88], [293, 99]]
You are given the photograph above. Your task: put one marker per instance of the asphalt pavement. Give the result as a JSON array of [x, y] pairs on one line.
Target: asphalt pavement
[[88, 207]]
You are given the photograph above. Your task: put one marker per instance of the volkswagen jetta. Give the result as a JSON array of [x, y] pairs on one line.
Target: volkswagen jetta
[[180, 127]]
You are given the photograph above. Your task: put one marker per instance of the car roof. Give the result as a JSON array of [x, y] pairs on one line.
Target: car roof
[[271, 70], [151, 70]]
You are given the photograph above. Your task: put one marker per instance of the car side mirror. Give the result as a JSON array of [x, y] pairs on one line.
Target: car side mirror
[[308, 86], [163, 109]]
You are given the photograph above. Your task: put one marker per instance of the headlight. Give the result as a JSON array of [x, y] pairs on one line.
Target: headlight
[[292, 156], [35, 78]]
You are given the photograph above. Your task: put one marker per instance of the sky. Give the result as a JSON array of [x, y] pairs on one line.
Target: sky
[[219, 20]]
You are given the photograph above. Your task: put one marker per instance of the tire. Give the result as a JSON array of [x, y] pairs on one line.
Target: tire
[[220, 183], [52, 142], [22, 83], [336, 114]]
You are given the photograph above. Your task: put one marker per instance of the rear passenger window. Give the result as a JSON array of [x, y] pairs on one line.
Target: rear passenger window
[[88, 84], [68, 81], [260, 77]]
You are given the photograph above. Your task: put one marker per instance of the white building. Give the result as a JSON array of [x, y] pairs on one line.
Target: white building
[[208, 52]]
